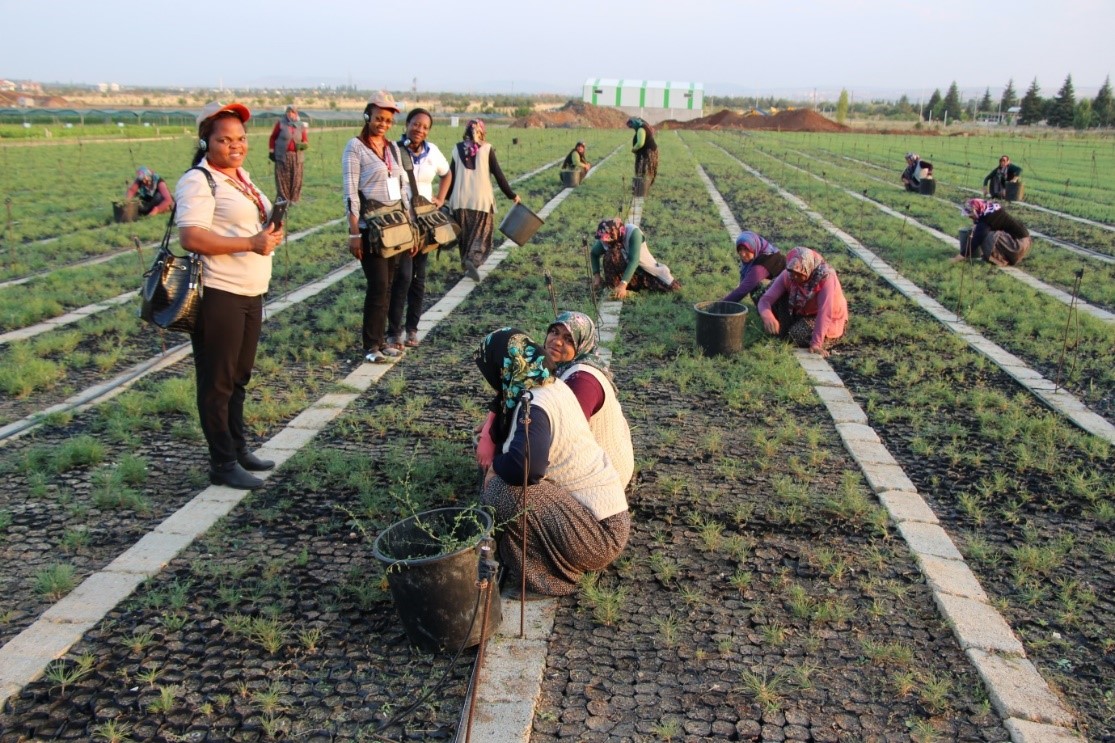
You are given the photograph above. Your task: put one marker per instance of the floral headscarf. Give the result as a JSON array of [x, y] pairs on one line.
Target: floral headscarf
[[979, 208], [635, 122], [611, 231], [585, 342], [144, 174], [810, 262], [511, 364], [475, 135]]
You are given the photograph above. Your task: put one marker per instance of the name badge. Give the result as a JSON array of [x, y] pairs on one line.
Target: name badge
[[394, 193]]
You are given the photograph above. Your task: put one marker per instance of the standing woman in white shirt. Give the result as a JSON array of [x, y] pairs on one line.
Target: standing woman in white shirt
[[224, 223], [409, 286]]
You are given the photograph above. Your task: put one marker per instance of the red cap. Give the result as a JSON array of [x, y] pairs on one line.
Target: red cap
[[213, 108]]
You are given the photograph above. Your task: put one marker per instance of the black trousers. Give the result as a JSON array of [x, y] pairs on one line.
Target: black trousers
[[225, 343], [408, 290], [379, 272]]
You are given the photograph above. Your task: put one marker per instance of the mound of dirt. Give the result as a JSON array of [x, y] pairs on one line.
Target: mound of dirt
[[574, 115], [798, 120]]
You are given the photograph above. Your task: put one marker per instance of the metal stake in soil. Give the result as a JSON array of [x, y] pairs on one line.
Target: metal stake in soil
[[1074, 317], [139, 252], [486, 575], [591, 287], [553, 295], [525, 401]]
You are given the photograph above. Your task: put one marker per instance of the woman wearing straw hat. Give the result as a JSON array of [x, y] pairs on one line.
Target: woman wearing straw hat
[[372, 170], [221, 216]]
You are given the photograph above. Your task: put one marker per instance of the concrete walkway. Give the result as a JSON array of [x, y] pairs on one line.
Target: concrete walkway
[[1029, 708]]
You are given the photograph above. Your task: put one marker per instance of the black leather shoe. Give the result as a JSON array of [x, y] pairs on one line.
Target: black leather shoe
[[252, 463], [234, 476]]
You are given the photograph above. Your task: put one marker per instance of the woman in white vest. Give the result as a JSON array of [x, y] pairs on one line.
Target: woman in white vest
[[576, 517], [571, 342], [472, 164]]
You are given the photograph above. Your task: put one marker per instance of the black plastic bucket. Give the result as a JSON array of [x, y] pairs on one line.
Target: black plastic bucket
[[571, 178], [639, 186], [125, 211], [927, 186], [1014, 190], [720, 327], [964, 236], [435, 593]]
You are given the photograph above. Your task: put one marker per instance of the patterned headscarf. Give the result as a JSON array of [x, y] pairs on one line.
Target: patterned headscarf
[[979, 208], [912, 156], [810, 262], [585, 342], [635, 122], [144, 174], [758, 245], [611, 230], [511, 364], [474, 136]]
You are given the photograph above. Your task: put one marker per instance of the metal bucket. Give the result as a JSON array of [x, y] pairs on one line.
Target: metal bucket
[[1014, 190], [720, 327], [927, 187], [572, 178], [125, 211], [639, 186], [520, 224]]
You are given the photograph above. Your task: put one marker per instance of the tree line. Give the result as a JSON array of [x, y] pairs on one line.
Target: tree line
[[1063, 110]]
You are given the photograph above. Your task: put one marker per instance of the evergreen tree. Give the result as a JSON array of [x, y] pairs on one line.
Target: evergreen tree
[[933, 108], [1064, 106], [1103, 107], [985, 103], [1033, 107], [842, 107], [903, 106], [952, 105], [1083, 116], [1009, 99]]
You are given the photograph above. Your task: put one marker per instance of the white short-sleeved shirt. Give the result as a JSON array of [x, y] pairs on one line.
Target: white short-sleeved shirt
[[433, 164], [229, 213]]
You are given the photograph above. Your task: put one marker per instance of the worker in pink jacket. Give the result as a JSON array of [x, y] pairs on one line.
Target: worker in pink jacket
[[805, 303]]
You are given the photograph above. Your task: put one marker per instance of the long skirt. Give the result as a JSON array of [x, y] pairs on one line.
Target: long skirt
[[288, 177], [564, 539], [475, 242], [798, 329], [646, 165], [654, 278], [1002, 249]]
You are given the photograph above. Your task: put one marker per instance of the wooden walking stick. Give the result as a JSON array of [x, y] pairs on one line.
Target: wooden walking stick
[[553, 295]]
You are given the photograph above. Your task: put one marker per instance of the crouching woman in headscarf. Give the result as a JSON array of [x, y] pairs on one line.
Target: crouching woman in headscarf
[[627, 261], [805, 303], [571, 345], [997, 236], [576, 517]]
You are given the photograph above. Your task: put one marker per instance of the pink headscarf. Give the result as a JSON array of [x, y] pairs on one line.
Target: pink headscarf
[[807, 261], [474, 136], [979, 208]]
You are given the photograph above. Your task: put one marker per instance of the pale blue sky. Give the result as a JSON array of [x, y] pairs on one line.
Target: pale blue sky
[[747, 47]]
